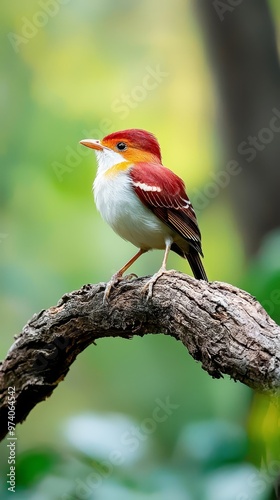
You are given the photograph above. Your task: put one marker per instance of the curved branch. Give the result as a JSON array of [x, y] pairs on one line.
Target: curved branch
[[223, 327]]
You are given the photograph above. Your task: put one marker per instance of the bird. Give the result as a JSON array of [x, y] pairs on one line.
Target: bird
[[144, 202]]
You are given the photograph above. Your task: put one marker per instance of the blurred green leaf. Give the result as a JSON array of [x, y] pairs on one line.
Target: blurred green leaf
[[263, 276], [212, 443], [33, 465]]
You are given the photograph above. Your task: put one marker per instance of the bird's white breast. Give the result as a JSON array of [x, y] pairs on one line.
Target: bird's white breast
[[125, 213]]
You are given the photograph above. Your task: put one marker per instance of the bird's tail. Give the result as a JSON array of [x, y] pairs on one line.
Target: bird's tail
[[196, 266]]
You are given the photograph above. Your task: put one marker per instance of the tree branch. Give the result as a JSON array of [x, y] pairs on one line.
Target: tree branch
[[223, 327]]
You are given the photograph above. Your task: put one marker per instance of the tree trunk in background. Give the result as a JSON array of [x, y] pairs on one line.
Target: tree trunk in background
[[242, 45]]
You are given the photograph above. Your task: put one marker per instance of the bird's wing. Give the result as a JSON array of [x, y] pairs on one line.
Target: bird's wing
[[163, 192]]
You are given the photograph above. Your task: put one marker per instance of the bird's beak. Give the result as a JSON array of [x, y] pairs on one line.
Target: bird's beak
[[92, 143]]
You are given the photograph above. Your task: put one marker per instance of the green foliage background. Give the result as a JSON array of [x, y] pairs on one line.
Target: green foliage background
[[80, 69]]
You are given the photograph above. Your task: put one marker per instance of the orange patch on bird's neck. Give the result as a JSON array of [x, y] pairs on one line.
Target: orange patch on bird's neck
[[116, 169], [137, 155], [131, 158]]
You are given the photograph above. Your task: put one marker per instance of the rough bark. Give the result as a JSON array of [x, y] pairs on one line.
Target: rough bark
[[223, 327]]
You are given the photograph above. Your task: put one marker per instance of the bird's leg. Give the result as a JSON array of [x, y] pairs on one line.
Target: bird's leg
[[150, 284], [118, 276]]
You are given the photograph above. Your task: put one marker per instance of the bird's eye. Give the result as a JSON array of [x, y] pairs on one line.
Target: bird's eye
[[121, 146]]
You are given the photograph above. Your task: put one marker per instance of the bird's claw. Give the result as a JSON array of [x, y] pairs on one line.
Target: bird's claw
[[151, 282], [131, 276], [114, 281]]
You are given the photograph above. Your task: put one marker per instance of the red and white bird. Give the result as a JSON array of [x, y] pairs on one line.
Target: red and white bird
[[143, 201]]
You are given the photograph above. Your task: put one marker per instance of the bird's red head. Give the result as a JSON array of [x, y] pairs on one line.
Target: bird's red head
[[134, 139], [133, 144]]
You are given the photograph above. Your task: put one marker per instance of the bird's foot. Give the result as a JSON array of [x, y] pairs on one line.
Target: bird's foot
[[114, 281], [151, 282], [131, 276]]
